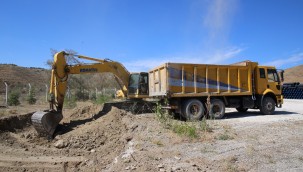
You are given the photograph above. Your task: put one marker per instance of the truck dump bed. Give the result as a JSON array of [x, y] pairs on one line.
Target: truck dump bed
[[190, 80]]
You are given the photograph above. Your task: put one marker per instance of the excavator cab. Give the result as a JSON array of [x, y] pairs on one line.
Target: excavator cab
[[138, 85]]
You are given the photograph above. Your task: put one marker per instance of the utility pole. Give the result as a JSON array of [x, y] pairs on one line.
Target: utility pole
[[96, 92], [46, 92], [68, 93], [6, 93], [30, 88]]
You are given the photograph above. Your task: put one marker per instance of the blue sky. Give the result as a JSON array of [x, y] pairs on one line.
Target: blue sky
[[142, 34]]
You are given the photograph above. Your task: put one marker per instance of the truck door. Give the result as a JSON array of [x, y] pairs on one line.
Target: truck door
[[273, 81], [261, 80]]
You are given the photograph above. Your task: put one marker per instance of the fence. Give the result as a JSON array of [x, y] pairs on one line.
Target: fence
[[292, 90], [42, 93]]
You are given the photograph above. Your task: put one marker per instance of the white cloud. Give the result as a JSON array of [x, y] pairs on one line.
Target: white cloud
[[286, 61], [218, 57], [218, 20]]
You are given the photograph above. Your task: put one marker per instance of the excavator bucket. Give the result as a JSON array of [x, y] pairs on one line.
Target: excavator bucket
[[46, 122]]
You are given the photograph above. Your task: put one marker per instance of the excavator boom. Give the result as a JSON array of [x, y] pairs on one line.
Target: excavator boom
[[45, 122]]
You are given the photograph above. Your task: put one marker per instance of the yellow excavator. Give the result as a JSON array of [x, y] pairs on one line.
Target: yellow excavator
[[133, 86]]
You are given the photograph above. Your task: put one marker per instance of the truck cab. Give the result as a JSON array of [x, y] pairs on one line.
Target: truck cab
[[268, 83]]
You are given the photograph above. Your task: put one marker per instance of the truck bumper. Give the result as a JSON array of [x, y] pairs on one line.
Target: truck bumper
[[279, 101]]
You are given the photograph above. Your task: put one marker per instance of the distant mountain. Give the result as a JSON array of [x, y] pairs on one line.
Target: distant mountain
[[294, 74]]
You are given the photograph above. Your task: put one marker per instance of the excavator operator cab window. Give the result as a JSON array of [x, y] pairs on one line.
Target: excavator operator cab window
[[138, 83], [133, 83], [143, 84]]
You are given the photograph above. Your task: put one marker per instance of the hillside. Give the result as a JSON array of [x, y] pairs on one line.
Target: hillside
[[17, 76], [294, 74]]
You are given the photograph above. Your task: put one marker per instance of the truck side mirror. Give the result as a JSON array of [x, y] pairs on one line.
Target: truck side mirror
[[282, 75]]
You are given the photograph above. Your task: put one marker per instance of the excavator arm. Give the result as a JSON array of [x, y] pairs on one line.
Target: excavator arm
[[46, 122]]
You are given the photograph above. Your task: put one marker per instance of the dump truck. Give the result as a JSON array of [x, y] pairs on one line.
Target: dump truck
[[194, 90]]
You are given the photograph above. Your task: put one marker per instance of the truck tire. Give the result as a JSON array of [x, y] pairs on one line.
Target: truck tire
[[241, 109], [217, 109], [267, 106], [193, 109]]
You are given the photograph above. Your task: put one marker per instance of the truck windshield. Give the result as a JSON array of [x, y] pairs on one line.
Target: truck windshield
[[272, 75]]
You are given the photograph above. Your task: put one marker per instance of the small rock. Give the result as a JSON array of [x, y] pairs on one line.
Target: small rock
[[58, 137], [127, 168], [134, 126], [127, 160], [177, 158], [26, 149], [93, 151], [175, 168], [133, 167], [128, 138], [160, 166], [60, 144], [27, 136]]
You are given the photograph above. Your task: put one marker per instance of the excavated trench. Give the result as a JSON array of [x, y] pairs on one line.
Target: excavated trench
[[13, 123]]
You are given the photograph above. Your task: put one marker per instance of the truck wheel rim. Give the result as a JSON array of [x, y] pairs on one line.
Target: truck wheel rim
[[194, 109], [216, 109], [269, 106]]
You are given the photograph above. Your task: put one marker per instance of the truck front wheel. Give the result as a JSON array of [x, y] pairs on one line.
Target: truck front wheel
[[217, 109], [267, 106], [193, 109]]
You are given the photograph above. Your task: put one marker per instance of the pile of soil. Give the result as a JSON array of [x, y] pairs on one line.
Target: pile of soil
[[86, 137]]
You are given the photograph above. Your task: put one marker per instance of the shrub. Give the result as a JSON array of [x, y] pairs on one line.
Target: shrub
[[31, 98], [13, 99], [103, 99], [189, 129], [82, 95]]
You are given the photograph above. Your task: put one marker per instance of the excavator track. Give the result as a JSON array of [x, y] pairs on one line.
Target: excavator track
[[46, 122]]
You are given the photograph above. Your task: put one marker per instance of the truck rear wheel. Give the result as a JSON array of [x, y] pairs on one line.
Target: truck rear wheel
[[267, 106], [217, 109], [193, 109]]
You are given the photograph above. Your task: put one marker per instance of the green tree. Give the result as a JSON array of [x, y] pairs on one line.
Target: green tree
[[31, 98], [13, 98]]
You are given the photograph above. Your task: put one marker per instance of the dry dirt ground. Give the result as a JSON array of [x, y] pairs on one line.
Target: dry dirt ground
[[93, 138]]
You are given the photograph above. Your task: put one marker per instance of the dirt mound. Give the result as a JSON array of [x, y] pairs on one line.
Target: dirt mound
[[85, 138]]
